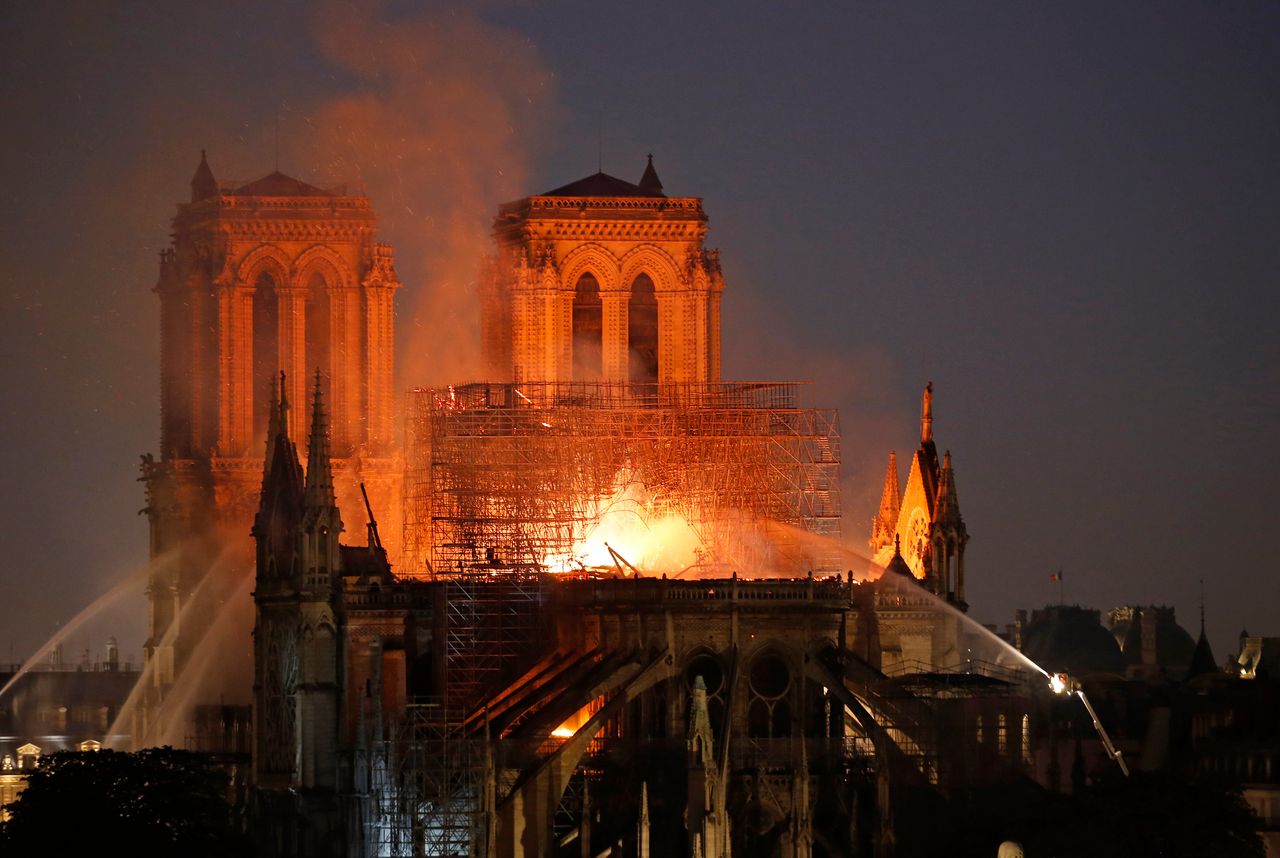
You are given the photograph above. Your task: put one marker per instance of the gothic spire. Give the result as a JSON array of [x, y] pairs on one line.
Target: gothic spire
[[700, 735], [203, 185], [1202, 660], [946, 508], [886, 520], [277, 416], [642, 824], [319, 467], [926, 414], [649, 181], [282, 479]]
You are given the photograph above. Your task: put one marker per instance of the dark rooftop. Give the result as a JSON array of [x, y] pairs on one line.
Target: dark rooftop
[[602, 185], [277, 184]]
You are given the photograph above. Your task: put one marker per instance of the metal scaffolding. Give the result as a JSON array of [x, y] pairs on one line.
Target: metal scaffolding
[[432, 805], [490, 619], [434, 801], [518, 472]]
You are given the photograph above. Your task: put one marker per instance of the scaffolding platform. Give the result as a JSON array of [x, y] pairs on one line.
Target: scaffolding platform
[[517, 473]]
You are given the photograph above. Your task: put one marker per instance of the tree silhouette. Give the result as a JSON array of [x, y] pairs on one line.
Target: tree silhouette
[[157, 801]]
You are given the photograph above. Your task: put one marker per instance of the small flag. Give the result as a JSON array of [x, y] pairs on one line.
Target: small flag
[[1056, 576]]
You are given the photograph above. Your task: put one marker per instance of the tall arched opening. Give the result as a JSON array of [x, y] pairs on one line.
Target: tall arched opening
[[318, 338], [588, 330], [642, 332], [266, 352]]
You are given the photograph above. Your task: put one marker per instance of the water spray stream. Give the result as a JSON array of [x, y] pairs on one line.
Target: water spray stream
[[1003, 647], [122, 587], [190, 686], [147, 677], [860, 561]]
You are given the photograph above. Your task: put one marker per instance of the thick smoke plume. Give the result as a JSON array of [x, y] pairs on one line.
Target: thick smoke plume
[[439, 124]]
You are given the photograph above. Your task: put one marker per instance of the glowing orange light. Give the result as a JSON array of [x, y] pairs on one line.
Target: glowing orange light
[[627, 523], [575, 721]]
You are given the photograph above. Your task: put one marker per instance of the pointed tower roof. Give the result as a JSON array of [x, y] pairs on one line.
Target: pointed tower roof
[[277, 417], [925, 461], [926, 414], [203, 185], [649, 182], [898, 566], [946, 507], [886, 520], [319, 491], [1202, 660], [642, 824], [700, 735], [282, 479]]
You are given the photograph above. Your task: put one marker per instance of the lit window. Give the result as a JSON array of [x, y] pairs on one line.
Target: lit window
[[1026, 739], [1002, 734]]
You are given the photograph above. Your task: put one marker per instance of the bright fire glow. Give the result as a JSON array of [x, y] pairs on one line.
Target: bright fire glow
[[575, 721], [628, 523]]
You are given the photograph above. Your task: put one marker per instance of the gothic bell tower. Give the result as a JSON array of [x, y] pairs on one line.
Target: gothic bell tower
[[924, 520], [602, 280], [261, 278]]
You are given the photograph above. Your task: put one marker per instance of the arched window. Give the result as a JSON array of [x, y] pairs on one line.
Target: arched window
[[318, 352], [642, 332], [588, 330], [266, 352], [769, 680], [318, 316]]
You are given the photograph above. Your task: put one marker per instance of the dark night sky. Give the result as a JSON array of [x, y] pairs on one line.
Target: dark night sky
[[1065, 215]]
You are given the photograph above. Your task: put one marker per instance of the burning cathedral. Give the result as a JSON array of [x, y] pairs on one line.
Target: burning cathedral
[[602, 606]]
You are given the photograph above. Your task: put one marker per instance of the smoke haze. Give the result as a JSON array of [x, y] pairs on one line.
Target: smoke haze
[[435, 113], [1064, 215]]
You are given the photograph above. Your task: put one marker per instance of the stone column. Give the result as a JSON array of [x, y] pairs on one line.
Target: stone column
[[519, 334], [615, 363], [669, 336], [713, 335], [379, 350]]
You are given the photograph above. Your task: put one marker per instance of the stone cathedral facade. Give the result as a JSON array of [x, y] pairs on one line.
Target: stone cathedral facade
[[263, 277], [492, 707], [602, 280]]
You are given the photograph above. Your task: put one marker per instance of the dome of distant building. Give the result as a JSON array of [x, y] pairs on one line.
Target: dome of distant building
[[1071, 639]]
